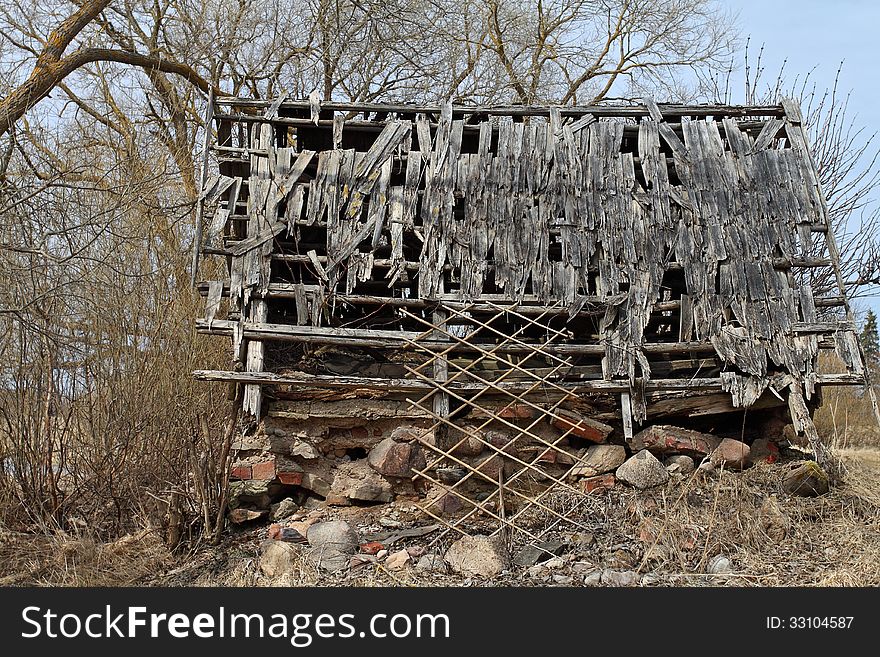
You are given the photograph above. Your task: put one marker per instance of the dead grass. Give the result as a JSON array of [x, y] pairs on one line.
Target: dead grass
[[63, 559]]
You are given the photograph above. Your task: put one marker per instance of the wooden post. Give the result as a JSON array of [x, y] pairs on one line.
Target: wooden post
[[200, 208], [626, 415], [441, 375]]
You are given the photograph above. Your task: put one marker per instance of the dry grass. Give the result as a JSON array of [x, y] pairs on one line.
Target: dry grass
[[62, 559]]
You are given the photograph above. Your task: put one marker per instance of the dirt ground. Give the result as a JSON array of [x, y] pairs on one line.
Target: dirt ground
[[667, 537]]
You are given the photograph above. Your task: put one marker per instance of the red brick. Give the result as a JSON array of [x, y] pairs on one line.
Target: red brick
[[264, 470], [516, 411], [598, 484], [372, 547], [290, 478], [581, 427], [242, 472]]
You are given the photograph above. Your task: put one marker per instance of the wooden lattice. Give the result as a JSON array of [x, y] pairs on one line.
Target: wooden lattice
[[509, 485]]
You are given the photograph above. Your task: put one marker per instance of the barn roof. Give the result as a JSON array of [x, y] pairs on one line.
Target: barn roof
[[652, 232]]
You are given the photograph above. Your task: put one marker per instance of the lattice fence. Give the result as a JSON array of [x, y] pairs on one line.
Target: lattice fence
[[518, 487]]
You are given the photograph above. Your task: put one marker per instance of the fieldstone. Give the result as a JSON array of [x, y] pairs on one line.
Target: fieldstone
[[773, 520], [394, 459], [467, 445], [732, 454], [488, 466], [679, 464], [445, 504], [398, 560], [764, 450], [416, 551], [277, 558], [582, 427], [593, 578], [663, 439], [406, 433], [451, 476], [241, 515], [283, 509], [253, 492], [599, 459], [304, 450], [719, 565], [335, 534], [642, 471], [478, 555], [807, 480], [563, 580], [431, 563], [315, 484], [619, 577], [357, 481], [538, 552]]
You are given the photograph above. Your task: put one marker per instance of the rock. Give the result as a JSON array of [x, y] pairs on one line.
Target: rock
[[253, 493], [381, 554], [598, 484], [732, 454], [398, 560], [371, 547], [330, 559], [619, 577], [416, 551], [719, 565], [278, 557], [394, 459], [582, 427], [643, 471], [407, 434], [662, 439], [679, 464], [563, 580], [304, 450], [599, 459], [468, 445], [451, 475], [593, 578], [764, 450], [773, 520], [582, 567], [538, 552], [554, 564], [389, 523], [807, 480], [336, 534], [431, 563], [315, 484], [333, 543], [488, 465], [283, 509], [240, 515], [358, 482], [444, 503], [478, 555]]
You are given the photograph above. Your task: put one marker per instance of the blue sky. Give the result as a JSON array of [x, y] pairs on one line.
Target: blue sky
[[813, 34]]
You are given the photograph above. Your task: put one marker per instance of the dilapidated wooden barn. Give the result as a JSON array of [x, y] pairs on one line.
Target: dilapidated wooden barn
[[491, 285]]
